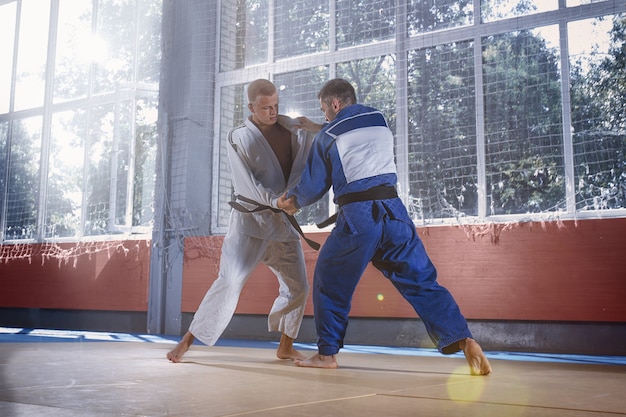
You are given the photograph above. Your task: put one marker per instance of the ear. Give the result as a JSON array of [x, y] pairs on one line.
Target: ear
[[336, 104], [251, 108]]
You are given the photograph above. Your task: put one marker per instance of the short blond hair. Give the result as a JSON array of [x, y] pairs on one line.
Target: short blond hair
[[260, 87]]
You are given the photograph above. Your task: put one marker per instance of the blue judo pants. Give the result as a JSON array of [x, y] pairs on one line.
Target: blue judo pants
[[380, 232]]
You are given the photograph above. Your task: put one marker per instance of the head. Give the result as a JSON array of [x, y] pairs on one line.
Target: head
[[263, 102], [334, 96]]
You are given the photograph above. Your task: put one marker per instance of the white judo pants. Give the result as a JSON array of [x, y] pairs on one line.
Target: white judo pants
[[241, 254]]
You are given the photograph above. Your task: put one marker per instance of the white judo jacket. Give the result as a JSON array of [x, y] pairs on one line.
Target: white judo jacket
[[257, 175]]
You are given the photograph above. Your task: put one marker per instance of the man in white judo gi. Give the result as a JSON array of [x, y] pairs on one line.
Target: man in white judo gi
[[267, 155]]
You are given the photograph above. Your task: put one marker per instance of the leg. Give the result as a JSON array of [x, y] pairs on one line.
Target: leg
[[240, 255], [286, 260], [340, 264], [319, 361], [176, 355], [403, 260], [285, 349], [478, 363]]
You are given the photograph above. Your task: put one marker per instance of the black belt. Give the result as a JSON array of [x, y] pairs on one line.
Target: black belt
[[379, 192], [260, 207]]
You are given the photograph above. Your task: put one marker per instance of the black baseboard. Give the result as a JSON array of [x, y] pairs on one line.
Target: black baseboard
[[585, 338], [91, 320]]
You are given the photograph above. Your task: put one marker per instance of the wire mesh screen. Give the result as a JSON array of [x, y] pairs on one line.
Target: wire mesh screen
[[22, 210], [233, 104], [79, 165], [310, 22], [297, 98], [523, 126], [492, 123], [478, 110], [431, 15], [598, 112], [442, 132]]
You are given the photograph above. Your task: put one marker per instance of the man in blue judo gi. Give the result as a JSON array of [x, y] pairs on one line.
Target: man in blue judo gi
[[353, 153]]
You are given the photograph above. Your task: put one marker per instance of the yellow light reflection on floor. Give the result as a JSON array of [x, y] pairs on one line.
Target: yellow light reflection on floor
[[463, 387]]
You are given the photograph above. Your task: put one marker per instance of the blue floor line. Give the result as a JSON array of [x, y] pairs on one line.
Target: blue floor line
[[26, 335]]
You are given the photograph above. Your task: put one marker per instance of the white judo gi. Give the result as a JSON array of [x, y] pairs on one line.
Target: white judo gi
[[261, 237]]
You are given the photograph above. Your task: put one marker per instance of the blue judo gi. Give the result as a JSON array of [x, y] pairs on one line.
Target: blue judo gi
[[354, 153]]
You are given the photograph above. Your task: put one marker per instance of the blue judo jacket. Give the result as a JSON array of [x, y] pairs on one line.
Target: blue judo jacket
[[352, 153]]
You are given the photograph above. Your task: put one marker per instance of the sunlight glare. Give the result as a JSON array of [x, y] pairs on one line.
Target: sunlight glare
[[92, 49]]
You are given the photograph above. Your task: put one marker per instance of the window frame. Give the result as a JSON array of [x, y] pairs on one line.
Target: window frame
[[126, 93], [400, 46]]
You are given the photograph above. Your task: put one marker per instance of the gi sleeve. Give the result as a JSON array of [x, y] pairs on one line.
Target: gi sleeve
[[316, 177]]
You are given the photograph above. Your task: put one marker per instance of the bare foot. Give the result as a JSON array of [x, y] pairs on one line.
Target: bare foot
[[292, 354], [318, 361], [479, 365], [176, 355], [286, 350]]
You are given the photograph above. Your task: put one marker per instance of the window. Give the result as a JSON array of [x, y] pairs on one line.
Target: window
[[523, 125], [443, 179], [598, 110], [78, 125], [502, 9], [492, 122]]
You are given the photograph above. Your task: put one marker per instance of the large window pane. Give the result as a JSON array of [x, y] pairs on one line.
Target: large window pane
[[65, 179], [23, 179], [598, 68], [32, 53], [508, 157], [115, 43], [121, 159], [571, 3], [148, 41], [243, 33], [374, 80], [7, 39], [430, 15], [4, 136], [523, 126], [76, 49], [100, 187], [100, 160], [442, 133], [298, 97], [361, 22], [145, 148], [233, 110], [301, 27], [502, 9]]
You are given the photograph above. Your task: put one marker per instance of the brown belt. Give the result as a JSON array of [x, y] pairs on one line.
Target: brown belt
[[260, 207]]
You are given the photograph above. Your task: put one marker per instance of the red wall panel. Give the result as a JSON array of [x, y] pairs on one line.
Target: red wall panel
[[115, 279], [563, 271], [567, 271]]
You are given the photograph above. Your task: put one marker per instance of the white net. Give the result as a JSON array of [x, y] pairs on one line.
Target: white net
[[80, 165], [494, 125], [70, 253]]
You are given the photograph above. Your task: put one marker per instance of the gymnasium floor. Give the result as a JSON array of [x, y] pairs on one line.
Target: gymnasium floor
[[87, 374]]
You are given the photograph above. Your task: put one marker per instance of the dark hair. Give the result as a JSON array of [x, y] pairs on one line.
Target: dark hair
[[340, 89]]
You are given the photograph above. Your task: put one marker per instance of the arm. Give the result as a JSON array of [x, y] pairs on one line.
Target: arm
[[288, 205], [316, 178], [244, 180], [307, 124]]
